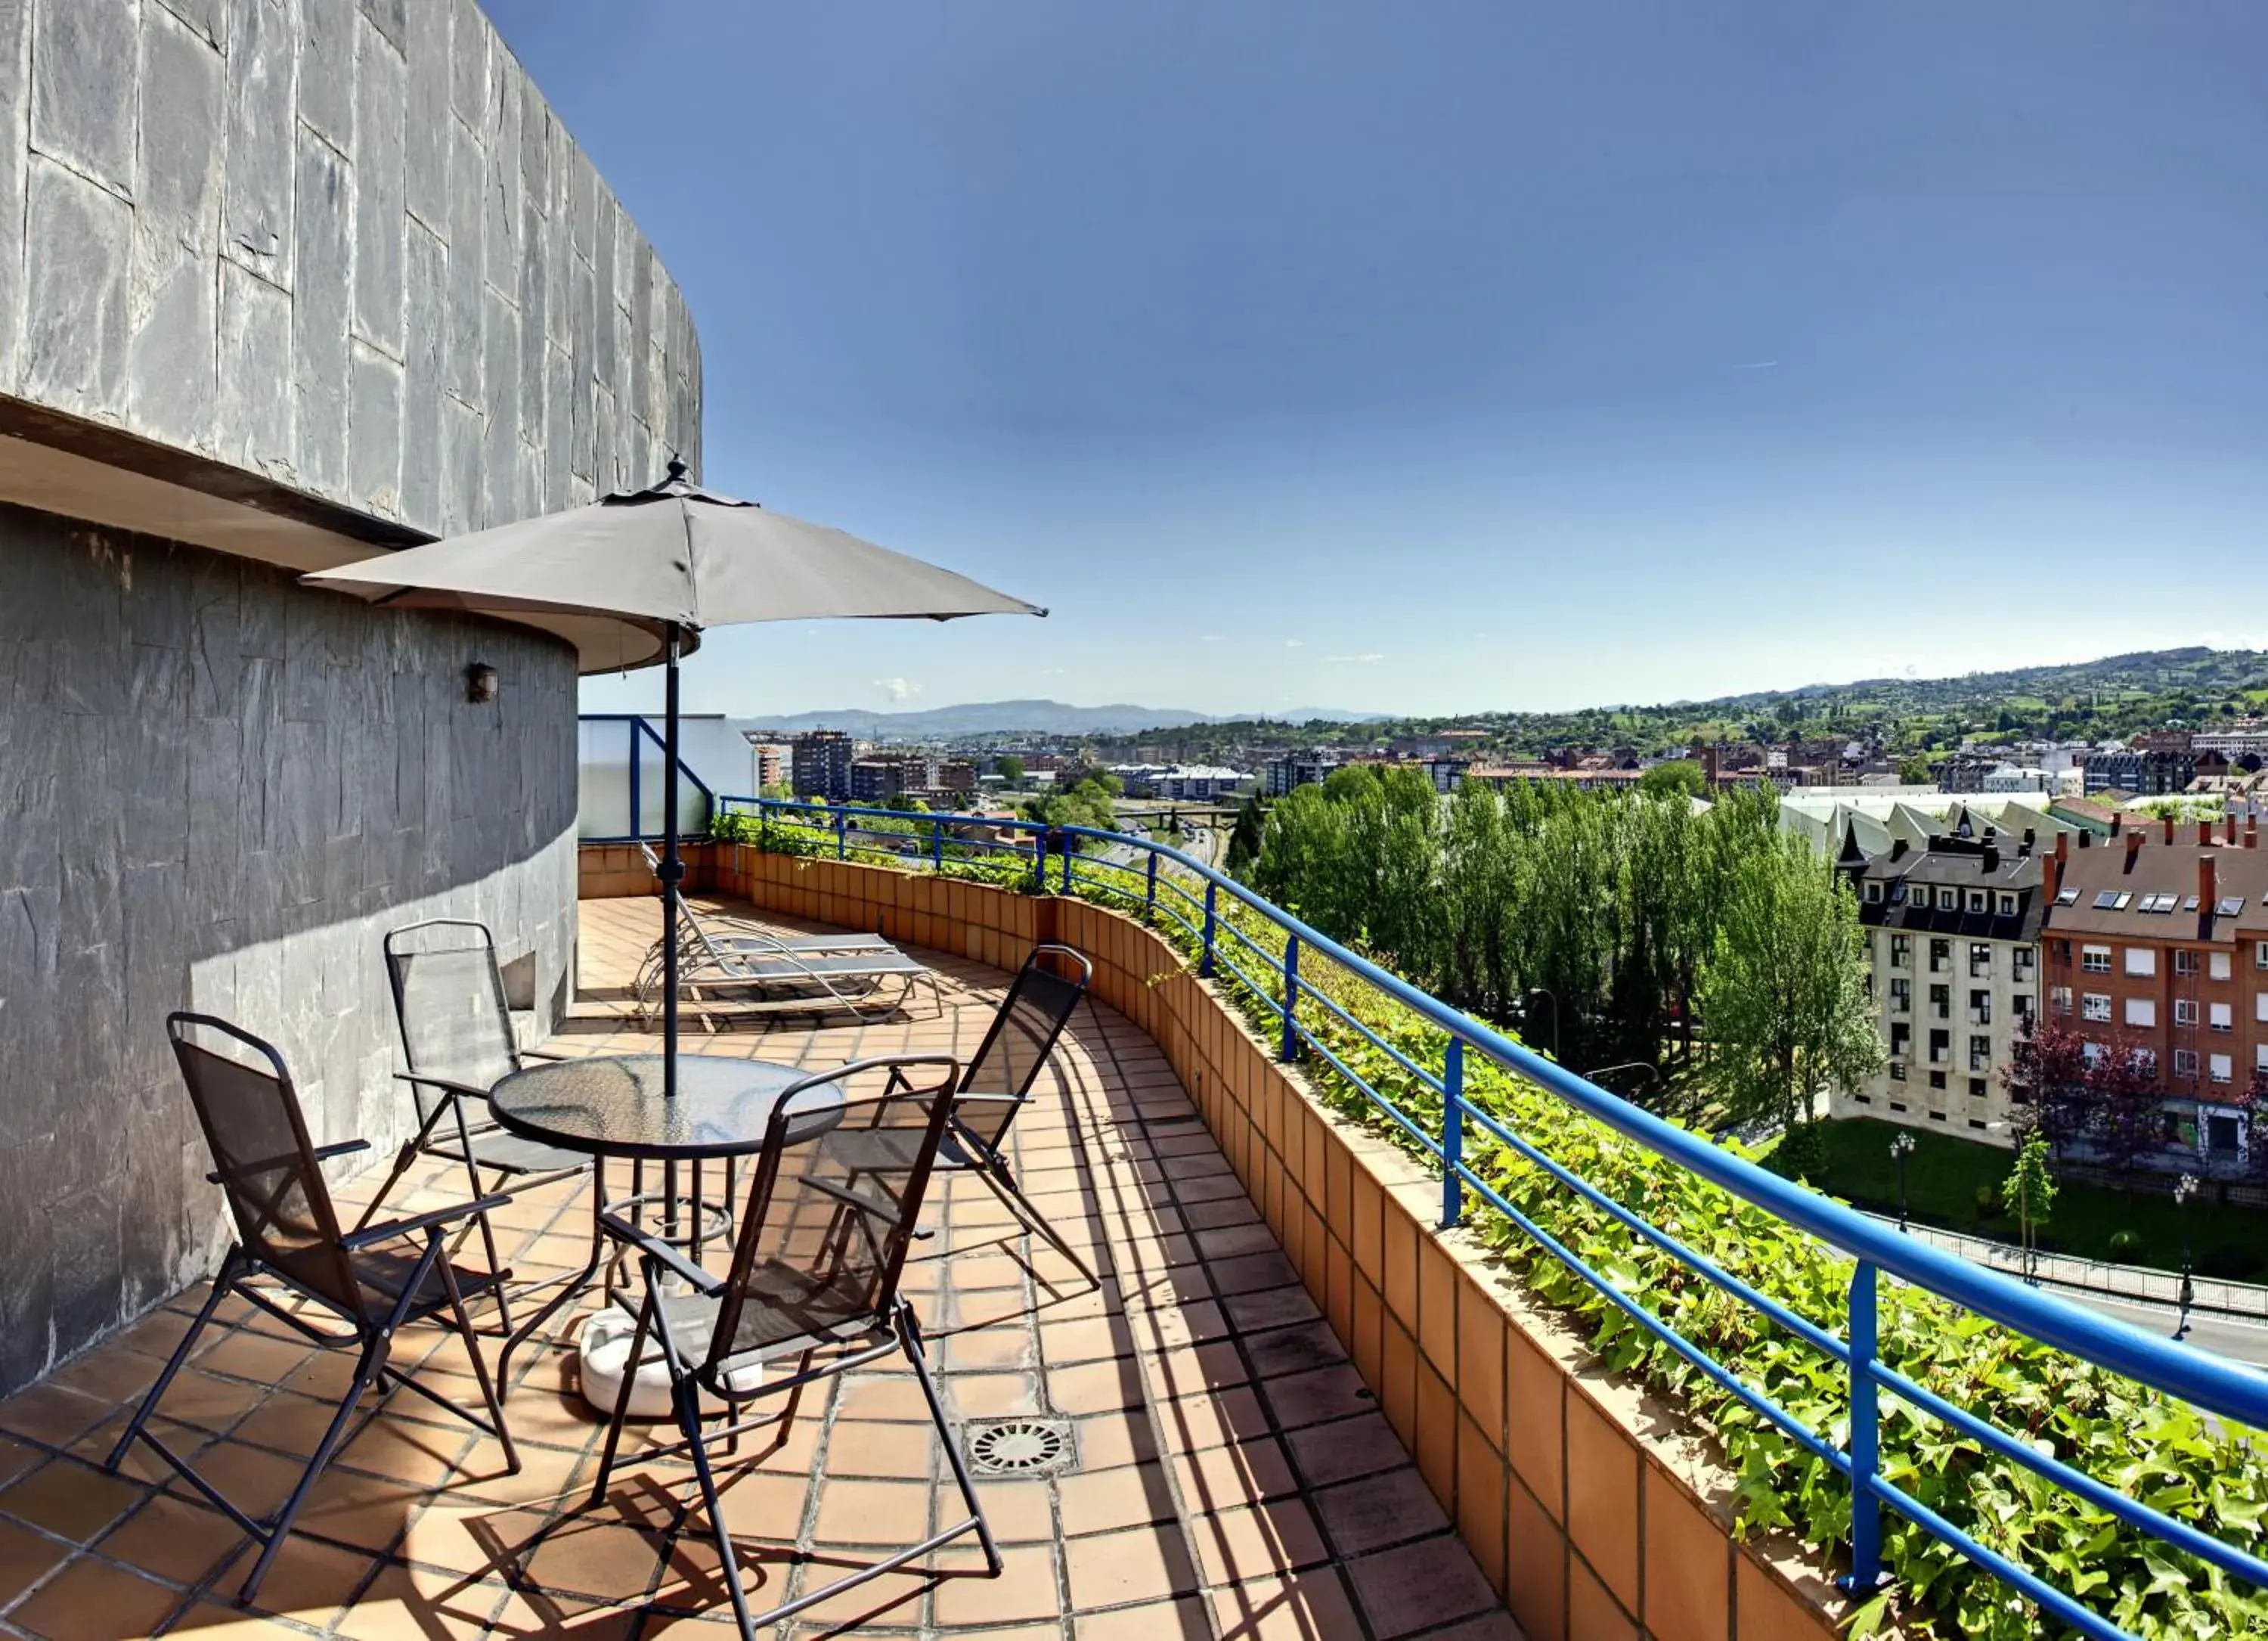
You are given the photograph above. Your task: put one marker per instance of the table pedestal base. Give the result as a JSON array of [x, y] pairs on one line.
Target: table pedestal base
[[604, 1350]]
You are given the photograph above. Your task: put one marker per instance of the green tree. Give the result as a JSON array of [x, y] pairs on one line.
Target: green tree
[[1914, 770], [1783, 995], [1675, 777], [2031, 1193], [1244, 842], [1012, 768]]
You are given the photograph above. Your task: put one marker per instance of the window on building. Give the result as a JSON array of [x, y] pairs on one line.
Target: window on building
[[2067, 897], [2260, 1056], [1941, 1002], [1980, 959], [1941, 955], [1941, 1047], [2008, 903], [1901, 951], [2059, 998], [2229, 906], [2185, 1065], [1980, 1008], [2095, 959], [1901, 996], [2219, 1067], [2219, 1016], [1980, 1054], [2142, 960], [2095, 1006], [2020, 963], [2260, 954], [1896, 1105], [1949, 900], [1978, 900], [1897, 1071], [2091, 1053], [2142, 1011], [1901, 1037], [1873, 892], [2260, 1008], [1977, 1088], [1937, 1079], [2184, 962], [2020, 1008], [2218, 964], [1977, 1122], [1937, 1116], [2185, 1011]]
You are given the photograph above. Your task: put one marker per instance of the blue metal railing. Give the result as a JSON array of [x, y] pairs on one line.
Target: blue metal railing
[[1188, 895]]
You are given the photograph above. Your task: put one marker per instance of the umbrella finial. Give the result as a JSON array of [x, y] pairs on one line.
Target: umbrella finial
[[676, 468]]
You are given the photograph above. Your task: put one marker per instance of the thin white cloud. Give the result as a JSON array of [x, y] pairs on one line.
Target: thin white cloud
[[1759, 364], [1295, 643], [1212, 637], [1356, 661], [898, 689]]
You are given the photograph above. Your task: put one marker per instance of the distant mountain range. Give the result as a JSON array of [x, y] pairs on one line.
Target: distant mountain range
[[1028, 718]]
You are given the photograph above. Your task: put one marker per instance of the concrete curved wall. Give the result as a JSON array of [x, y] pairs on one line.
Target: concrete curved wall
[[344, 245]]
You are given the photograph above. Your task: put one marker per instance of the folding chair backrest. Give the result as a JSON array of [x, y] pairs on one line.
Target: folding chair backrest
[[276, 1190], [449, 999], [831, 1213], [1023, 1034]]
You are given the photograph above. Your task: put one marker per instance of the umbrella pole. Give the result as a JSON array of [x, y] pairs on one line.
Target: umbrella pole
[[672, 871]]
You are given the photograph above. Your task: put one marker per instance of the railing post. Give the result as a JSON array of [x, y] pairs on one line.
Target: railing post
[[842, 834], [1150, 895], [1866, 1437], [1204, 959], [1291, 998], [1453, 1132], [936, 847], [638, 822], [1040, 861], [1070, 849]]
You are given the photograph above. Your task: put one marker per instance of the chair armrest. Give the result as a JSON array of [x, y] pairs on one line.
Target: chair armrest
[[622, 1231], [323, 1154], [447, 1085], [386, 1230]]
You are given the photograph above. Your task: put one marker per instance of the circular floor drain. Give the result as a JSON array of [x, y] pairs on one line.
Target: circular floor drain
[[1020, 1447]]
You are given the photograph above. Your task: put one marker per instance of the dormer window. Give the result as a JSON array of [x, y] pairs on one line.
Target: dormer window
[[1949, 900], [1976, 900], [2007, 904], [1873, 893]]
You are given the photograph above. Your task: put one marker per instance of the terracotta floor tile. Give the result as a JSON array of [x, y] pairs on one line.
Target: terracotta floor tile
[[1232, 1477], [1380, 1510], [990, 1395], [71, 1500], [24, 1558], [307, 1581], [1113, 1568], [1253, 1542], [1181, 1620], [172, 1538], [855, 1447], [1347, 1447], [1107, 1501], [91, 1600], [1311, 1606], [1025, 1591], [886, 1513], [1420, 1585]]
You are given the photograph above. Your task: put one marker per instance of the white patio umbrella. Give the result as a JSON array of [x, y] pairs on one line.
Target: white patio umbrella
[[671, 560]]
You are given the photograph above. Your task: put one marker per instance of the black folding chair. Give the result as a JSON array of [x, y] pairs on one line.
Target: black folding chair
[[1039, 1003], [458, 1043], [814, 1277], [288, 1233]]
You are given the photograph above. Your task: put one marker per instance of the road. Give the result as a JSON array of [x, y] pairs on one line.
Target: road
[[2239, 1341]]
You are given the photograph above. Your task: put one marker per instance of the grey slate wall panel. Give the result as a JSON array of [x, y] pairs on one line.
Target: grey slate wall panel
[[155, 153], [222, 800]]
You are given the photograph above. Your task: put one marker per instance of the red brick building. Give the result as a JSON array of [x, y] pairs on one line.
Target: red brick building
[[2157, 936]]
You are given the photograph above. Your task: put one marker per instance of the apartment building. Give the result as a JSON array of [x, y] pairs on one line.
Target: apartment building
[[819, 764], [1298, 769], [887, 777], [2157, 938], [1953, 954]]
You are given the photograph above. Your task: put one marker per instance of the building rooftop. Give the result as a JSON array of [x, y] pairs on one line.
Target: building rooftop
[[2144, 888], [1233, 1477]]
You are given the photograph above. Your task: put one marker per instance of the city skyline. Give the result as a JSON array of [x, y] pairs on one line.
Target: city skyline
[[1506, 362]]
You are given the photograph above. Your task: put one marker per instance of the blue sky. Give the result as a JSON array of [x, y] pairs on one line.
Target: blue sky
[[1453, 356]]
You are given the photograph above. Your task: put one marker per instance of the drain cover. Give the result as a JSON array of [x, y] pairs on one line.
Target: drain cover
[[1020, 1447]]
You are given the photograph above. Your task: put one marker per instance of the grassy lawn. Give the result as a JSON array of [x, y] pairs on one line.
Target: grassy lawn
[[1944, 1173]]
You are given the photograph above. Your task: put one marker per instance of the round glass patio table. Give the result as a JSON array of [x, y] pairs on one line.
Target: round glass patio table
[[613, 1107]]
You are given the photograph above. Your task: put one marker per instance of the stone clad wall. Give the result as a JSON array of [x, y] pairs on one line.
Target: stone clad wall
[[220, 790], [343, 244]]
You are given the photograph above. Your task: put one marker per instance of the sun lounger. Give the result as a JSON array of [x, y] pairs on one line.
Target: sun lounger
[[748, 976]]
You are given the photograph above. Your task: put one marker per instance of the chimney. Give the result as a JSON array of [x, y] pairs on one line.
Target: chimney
[[2170, 828], [2031, 841], [2208, 893], [2116, 816], [2204, 834], [2050, 880], [1991, 858], [2133, 848], [2063, 847]]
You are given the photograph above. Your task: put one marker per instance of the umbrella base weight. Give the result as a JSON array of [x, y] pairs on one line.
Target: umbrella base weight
[[604, 1351]]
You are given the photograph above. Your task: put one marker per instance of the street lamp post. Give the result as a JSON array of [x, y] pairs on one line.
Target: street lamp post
[[1554, 996], [1901, 1149], [2184, 1189]]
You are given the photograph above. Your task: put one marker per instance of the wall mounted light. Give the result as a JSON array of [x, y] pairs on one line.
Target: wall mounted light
[[480, 682]]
